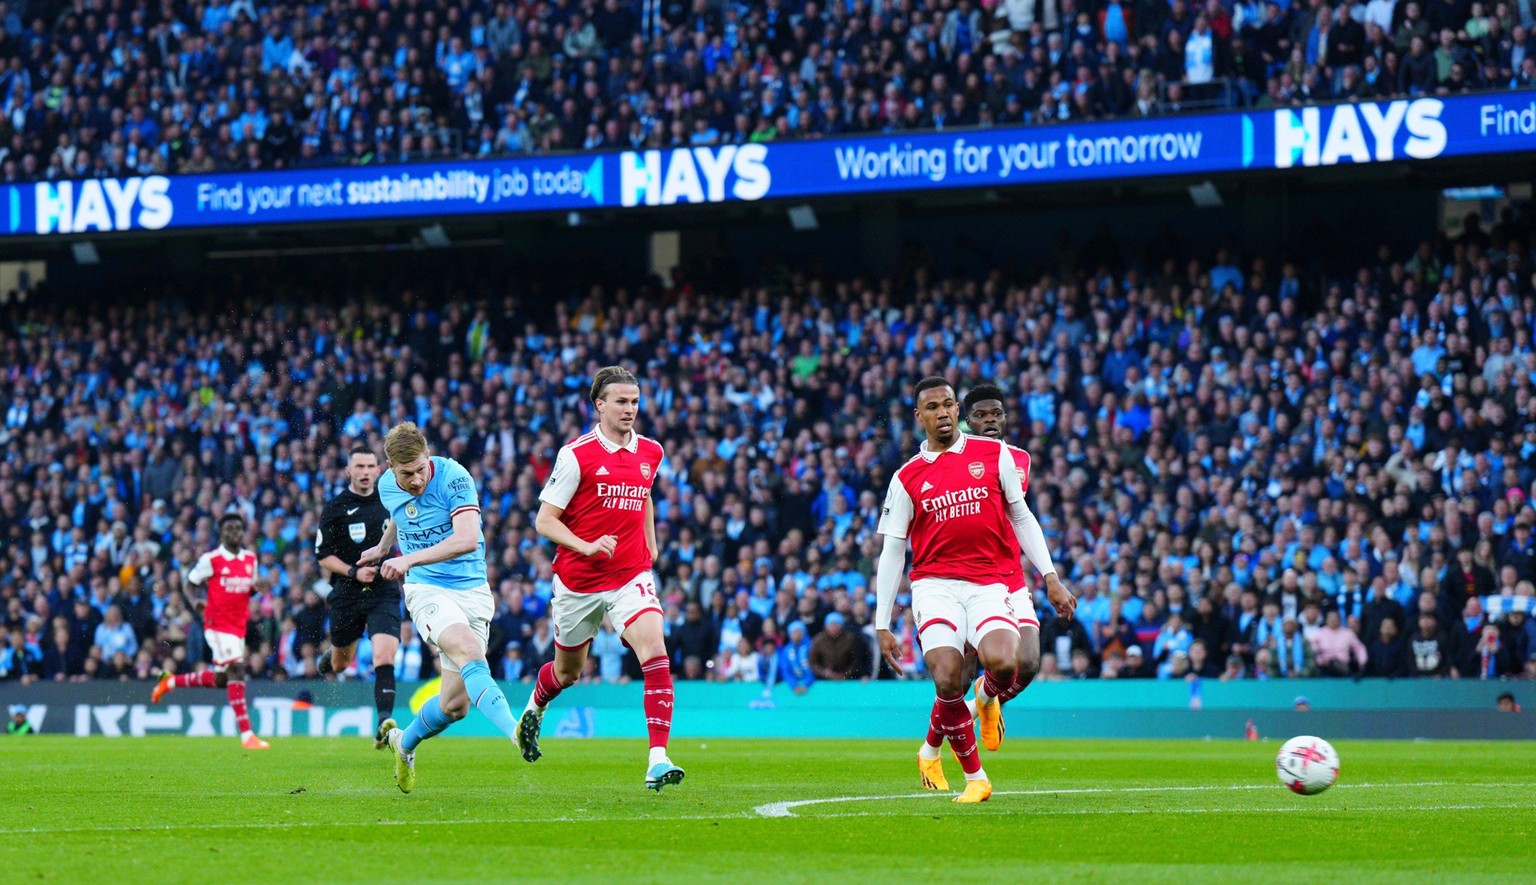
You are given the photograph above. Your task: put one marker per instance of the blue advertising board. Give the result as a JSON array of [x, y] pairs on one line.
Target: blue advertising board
[[1367, 132]]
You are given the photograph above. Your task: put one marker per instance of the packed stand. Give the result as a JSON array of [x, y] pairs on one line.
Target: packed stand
[[97, 88], [1244, 470]]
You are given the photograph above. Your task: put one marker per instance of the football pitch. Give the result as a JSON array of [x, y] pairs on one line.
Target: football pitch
[[201, 810]]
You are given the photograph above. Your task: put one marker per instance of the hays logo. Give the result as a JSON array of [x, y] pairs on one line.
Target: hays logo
[[1360, 133], [108, 204], [694, 175]]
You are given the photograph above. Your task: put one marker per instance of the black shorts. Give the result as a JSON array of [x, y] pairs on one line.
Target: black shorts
[[354, 610]]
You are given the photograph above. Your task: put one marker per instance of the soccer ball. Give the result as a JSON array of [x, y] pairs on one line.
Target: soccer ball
[[1307, 765]]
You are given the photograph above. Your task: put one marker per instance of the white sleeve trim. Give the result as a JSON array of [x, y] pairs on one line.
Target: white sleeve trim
[[564, 479], [201, 572], [896, 516], [1008, 475]]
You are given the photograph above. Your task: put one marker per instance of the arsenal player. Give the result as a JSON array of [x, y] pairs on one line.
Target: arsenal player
[[597, 507], [960, 502], [985, 414], [228, 570]]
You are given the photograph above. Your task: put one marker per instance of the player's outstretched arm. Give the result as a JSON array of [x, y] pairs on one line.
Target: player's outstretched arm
[[386, 544], [1031, 538], [893, 557], [1038, 551], [549, 525], [465, 539]]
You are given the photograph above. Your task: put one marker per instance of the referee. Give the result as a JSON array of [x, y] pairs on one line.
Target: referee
[[352, 522]]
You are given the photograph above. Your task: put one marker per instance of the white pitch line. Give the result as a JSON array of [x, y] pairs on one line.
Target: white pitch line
[[785, 809], [1288, 809]]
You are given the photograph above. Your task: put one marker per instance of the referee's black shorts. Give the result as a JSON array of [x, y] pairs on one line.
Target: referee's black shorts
[[354, 611]]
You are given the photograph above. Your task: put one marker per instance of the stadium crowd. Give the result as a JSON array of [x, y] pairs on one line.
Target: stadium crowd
[[95, 88], [1244, 470]]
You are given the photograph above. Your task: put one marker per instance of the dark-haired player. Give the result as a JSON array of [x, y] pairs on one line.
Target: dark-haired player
[[351, 524], [986, 415], [960, 503], [597, 506], [229, 570]]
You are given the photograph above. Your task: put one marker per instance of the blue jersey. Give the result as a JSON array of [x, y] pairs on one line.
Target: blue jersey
[[424, 521]]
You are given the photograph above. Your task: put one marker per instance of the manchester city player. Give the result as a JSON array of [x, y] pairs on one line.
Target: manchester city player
[[435, 514]]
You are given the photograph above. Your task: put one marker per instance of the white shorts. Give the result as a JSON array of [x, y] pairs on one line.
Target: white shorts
[[435, 609], [576, 617], [227, 648], [1023, 601], [952, 613]]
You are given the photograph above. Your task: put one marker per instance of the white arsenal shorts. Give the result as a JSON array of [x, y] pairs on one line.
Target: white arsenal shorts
[[951, 613], [1023, 601], [227, 648], [576, 617]]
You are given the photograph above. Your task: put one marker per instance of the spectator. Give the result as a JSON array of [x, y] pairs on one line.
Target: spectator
[[834, 652], [410, 658], [694, 637], [1337, 650], [1200, 663], [609, 650], [1135, 664], [114, 636], [1173, 639], [1293, 656], [1387, 654], [540, 647], [794, 667], [1430, 648], [512, 666], [743, 664], [1234, 670]]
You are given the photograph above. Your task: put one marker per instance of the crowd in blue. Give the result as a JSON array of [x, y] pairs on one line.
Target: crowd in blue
[[99, 88], [1245, 469]]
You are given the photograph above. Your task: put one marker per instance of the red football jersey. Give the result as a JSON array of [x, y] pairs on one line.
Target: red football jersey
[[1019, 580], [1021, 462], [953, 506], [603, 488], [229, 577]]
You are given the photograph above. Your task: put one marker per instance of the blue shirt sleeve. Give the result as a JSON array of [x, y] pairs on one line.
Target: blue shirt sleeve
[[458, 488]]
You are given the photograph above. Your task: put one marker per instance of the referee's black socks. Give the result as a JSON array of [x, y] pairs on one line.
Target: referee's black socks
[[384, 690]]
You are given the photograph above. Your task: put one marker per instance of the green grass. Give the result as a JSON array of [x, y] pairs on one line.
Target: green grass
[[200, 810]]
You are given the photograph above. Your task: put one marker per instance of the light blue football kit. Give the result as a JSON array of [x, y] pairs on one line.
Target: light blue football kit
[[422, 522], [426, 520]]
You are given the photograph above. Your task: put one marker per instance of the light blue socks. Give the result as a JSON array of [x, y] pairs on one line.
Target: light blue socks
[[486, 694]]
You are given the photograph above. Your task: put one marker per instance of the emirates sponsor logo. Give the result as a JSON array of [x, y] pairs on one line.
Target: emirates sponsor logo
[[623, 495], [958, 496], [960, 502]]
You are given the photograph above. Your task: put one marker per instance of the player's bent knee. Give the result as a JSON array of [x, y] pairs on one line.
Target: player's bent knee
[[455, 709], [950, 684], [948, 675], [1029, 663]]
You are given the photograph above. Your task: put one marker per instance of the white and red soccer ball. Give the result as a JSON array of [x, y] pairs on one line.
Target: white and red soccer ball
[[1307, 765]]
